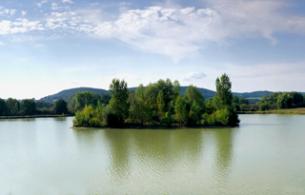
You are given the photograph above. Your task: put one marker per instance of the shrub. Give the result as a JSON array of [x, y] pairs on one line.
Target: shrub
[[89, 117], [222, 117]]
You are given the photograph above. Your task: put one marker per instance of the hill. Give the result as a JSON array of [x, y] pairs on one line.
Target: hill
[[68, 93], [253, 95], [207, 93]]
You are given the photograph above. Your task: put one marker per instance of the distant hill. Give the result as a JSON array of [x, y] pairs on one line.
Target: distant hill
[[253, 95], [67, 94], [207, 93]]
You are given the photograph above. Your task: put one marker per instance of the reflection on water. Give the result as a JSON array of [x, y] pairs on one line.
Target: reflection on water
[[224, 146], [61, 119], [162, 148], [53, 158]]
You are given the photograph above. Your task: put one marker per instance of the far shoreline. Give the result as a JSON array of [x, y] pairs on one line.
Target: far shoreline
[[288, 111], [36, 116]]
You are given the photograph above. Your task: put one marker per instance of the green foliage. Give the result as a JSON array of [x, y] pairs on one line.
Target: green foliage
[[196, 105], [161, 104], [211, 105], [223, 90], [196, 110], [44, 108], [219, 118], [89, 117], [243, 105], [81, 100], [157, 100], [3, 108], [60, 107], [289, 100], [13, 107], [139, 112], [28, 107], [282, 100], [118, 107], [193, 94], [166, 95], [181, 111], [225, 111]]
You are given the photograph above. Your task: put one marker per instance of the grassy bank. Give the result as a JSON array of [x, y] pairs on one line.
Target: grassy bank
[[35, 116], [278, 111]]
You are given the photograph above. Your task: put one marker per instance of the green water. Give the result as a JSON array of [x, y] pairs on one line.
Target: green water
[[265, 155]]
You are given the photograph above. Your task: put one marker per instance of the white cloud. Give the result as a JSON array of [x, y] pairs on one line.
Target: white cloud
[[7, 12], [179, 32], [41, 3], [59, 20], [257, 17], [55, 6], [68, 1], [68, 20], [173, 31], [19, 26], [23, 13], [195, 76]]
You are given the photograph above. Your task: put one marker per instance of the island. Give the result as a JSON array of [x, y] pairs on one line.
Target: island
[[160, 104]]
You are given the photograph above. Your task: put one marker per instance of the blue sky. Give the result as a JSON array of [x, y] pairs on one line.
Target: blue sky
[[50, 45]]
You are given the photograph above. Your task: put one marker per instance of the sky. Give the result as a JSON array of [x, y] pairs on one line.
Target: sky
[[50, 45]]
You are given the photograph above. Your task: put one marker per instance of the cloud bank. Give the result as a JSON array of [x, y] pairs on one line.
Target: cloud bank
[[173, 31]]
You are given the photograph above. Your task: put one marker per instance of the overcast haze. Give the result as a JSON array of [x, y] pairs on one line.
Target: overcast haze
[[47, 46]]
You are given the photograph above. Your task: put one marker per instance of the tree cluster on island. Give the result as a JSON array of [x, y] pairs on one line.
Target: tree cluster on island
[[159, 104]]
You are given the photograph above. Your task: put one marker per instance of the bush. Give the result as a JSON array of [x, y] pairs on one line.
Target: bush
[[89, 117], [222, 117]]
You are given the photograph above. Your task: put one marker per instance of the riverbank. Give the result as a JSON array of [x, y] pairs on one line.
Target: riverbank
[[300, 111], [36, 116]]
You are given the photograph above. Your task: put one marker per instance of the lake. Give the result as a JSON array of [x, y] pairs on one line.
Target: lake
[[265, 155]]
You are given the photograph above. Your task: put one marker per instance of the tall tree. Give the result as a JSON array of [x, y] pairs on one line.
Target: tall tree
[[60, 107], [223, 90], [139, 111], [224, 97], [28, 107], [196, 105], [13, 106], [181, 111], [80, 100], [118, 105], [3, 108], [161, 105]]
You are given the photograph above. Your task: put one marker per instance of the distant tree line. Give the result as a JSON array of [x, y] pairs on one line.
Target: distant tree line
[[279, 100], [282, 100], [30, 107], [157, 104]]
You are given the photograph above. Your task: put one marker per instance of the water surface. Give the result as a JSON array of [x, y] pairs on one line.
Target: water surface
[[265, 155]]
